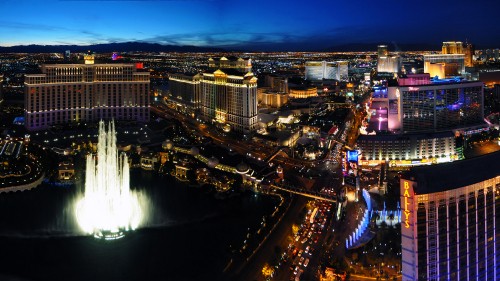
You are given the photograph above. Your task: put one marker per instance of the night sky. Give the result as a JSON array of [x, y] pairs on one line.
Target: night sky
[[252, 24]]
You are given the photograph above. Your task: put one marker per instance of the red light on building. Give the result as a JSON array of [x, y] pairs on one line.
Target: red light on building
[[139, 65]]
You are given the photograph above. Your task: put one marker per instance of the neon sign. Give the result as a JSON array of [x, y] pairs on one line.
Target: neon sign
[[406, 195]]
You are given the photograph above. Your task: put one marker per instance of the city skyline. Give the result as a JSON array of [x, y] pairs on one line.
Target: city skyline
[[256, 26]]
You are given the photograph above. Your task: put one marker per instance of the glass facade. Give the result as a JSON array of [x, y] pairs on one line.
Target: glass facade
[[441, 107]]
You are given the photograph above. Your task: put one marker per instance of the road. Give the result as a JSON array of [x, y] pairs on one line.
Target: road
[[252, 270], [326, 239], [251, 149]]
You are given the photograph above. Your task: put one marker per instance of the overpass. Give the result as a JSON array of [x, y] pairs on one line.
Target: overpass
[[307, 193], [275, 153]]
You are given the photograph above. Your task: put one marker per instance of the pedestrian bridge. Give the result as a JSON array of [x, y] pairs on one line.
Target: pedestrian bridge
[[307, 193]]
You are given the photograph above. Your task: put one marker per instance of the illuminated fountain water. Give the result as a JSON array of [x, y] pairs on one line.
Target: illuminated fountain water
[[108, 207]]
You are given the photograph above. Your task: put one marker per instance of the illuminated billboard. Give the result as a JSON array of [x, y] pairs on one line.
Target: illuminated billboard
[[352, 156], [350, 167]]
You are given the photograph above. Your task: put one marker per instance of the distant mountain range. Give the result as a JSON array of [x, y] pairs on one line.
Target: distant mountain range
[[155, 47], [107, 48]]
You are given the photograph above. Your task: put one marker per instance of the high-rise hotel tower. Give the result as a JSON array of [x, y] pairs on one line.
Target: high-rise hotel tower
[[448, 227], [229, 97], [66, 93]]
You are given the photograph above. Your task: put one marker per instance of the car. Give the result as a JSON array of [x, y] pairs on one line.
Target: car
[[301, 260], [304, 240], [297, 278], [307, 249], [306, 262], [297, 238]]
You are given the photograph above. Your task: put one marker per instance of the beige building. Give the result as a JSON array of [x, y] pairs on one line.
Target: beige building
[[231, 62], [268, 98], [452, 47], [457, 47], [229, 97], [303, 92], [65, 93], [450, 64], [185, 89]]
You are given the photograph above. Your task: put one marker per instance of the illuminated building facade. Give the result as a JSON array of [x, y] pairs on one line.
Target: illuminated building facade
[[229, 97], [452, 47], [457, 47], [319, 70], [185, 89], [444, 65], [390, 64], [382, 51], [469, 55], [440, 106], [448, 227], [277, 83], [231, 62], [430, 105], [268, 98], [407, 149], [386, 62], [66, 93], [302, 92], [415, 123], [1, 86]]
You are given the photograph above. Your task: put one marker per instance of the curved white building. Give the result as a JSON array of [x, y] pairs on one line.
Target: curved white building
[[448, 226]]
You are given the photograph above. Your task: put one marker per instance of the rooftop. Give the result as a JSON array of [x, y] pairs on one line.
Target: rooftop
[[443, 177]]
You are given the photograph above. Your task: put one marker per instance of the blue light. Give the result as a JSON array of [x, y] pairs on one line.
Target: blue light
[[352, 155]]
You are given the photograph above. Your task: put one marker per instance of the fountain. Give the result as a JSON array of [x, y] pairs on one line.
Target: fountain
[[108, 207]]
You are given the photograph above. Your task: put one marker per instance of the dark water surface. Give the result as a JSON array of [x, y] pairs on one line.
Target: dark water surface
[[187, 236]]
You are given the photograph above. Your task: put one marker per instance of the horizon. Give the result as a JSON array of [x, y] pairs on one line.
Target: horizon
[[236, 25]]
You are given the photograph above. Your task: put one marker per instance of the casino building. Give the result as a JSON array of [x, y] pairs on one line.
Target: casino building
[[319, 70], [417, 120], [185, 89], [65, 93], [448, 226], [229, 98]]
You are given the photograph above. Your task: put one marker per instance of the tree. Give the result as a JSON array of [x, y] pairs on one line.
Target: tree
[[267, 270], [295, 229]]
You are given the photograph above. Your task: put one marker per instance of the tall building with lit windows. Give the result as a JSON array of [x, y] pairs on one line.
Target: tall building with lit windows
[[448, 226], [417, 121], [386, 62], [469, 54], [319, 70], [185, 89], [444, 65], [243, 65], [382, 51], [452, 47], [65, 93], [229, 98]]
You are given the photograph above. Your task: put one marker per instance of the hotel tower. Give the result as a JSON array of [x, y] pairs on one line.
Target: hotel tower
[[65, 93]]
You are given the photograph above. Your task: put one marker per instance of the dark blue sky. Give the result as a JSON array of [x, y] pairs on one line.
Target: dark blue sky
[[251, 24]]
